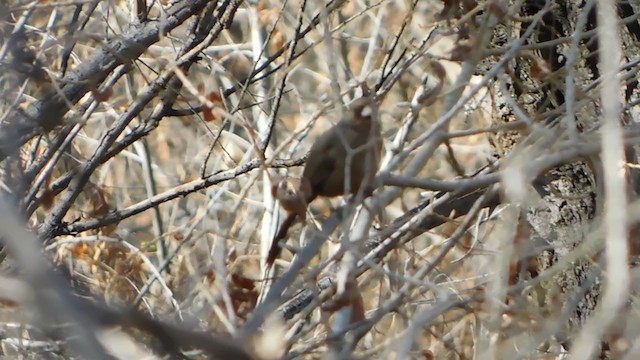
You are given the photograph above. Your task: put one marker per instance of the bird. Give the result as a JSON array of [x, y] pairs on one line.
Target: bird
[[343, 160]]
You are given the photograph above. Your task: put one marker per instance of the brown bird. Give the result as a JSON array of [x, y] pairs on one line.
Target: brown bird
[[343, 160]]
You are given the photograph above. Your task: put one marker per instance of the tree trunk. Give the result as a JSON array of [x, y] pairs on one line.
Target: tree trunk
[[544, 85]]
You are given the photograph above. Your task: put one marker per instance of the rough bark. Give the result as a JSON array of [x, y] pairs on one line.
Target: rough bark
[[565, 203]]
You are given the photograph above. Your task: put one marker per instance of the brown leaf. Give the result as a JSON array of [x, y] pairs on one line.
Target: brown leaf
[[79, 250], [102, 96], [47, 197], [460, 53], [207, 108]]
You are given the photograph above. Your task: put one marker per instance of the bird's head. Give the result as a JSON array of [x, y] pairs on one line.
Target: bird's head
[[363, 109]]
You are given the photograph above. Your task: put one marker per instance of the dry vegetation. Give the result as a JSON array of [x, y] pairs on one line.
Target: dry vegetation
[[139, 141]]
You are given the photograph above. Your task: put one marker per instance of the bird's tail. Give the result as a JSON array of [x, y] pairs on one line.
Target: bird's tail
[[274, 253]]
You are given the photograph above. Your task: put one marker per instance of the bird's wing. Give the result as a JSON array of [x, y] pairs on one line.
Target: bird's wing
[[321, 162]]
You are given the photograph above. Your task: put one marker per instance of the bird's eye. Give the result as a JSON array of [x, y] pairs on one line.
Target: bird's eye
[[366, 111]]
